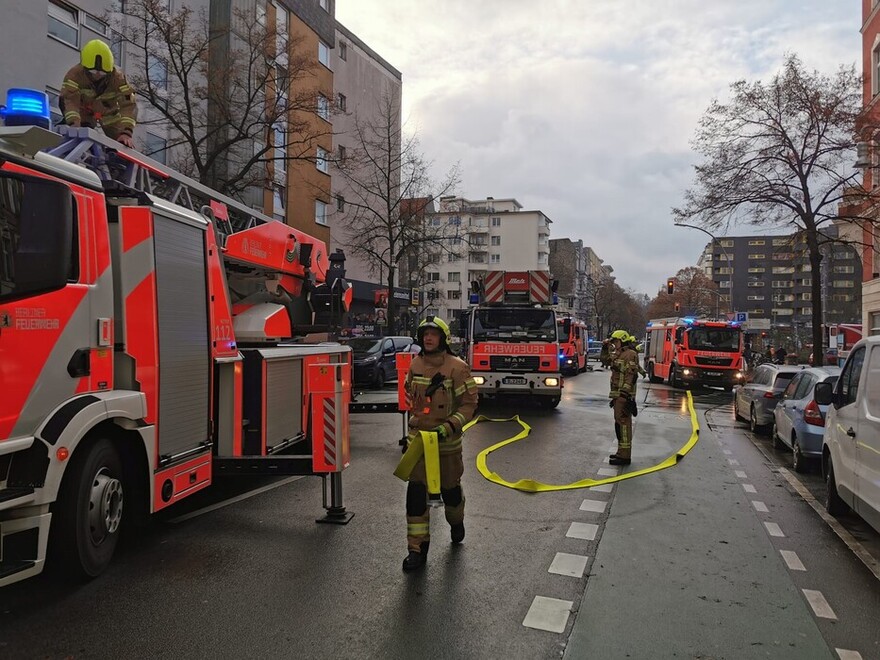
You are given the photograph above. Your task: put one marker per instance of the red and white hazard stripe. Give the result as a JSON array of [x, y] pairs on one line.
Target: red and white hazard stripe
[[494, 287], [539, 286], [330, 431]]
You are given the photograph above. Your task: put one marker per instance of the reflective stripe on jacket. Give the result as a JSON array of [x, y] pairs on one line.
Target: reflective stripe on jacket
[[624, 373], [110, 100]]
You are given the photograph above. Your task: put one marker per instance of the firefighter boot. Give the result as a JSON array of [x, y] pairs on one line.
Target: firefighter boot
[[614, 459], [458, 533], [415, 560]]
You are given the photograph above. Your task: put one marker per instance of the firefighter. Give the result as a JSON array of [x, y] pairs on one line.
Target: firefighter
[[625, 371], [442, 397], [96, 92], [605, 353]]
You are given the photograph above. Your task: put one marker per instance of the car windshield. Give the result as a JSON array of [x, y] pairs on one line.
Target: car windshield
[[365, 345], [714, 339], [515, 323]]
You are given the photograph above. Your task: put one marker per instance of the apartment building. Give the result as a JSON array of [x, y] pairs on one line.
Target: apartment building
[[579, 271], [483, 235], [769, 277]]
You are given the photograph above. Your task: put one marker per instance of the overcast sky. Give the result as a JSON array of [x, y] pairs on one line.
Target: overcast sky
[[584, 109]]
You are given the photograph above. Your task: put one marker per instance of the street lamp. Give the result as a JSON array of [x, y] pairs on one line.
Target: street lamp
[[726, 256]]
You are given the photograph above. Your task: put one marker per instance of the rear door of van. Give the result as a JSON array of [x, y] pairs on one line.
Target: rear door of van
[[868, 439]]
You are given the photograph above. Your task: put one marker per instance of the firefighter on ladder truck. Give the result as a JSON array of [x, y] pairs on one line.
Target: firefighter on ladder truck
[[147, 345]]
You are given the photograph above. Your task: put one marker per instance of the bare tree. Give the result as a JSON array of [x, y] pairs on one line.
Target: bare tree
[[389, 198], [615, 308], [694, 293], [778, 154], [234, 93]]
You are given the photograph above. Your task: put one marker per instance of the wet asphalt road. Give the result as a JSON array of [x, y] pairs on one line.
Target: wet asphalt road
[[256, 577]]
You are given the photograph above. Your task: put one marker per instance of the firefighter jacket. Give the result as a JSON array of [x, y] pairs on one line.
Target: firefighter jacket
[[624, 373], [109, 101], [442, 392]]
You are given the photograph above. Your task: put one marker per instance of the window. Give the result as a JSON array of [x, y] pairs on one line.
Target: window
[[842, 297], [725, 271], [279, 141], [843, 284], [789, 391], [756, 255], [496, 240], [875, 70], [341, 153], [781, 241], [453, 277], [320, 212], [340, 203], [280, 31], [95, 24], [63, 23], [848, 383], [261, 14], [756, 284], [757, 311], [724, 284], [726, 243], [343, 51], [781, 284], [453, 294], [806, 296], [756, 270], [756, 243], [782, 311], [157, 72], [341, 102], [722, 257], [496, 222], [279, 200], [453, 257], [323, 107], [432, 277], [496, 259], [480, 259], [321, 160], [154, 147], [755, 298], [844, 269], [324, 54], [783, 270], [117, 47]]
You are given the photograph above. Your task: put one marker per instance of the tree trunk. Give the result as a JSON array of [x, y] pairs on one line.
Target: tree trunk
[[391, 312], [816, 288]]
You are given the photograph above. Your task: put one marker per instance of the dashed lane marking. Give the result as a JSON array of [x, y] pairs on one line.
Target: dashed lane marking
[[595, 506], [749, 488], [792, 560], [607, 472], [760, 506], [845, 654], [549, 614], [774, 530], [820, 606], [570, 565], [604, 488], [585, 531], [733, 461], [740, 474]]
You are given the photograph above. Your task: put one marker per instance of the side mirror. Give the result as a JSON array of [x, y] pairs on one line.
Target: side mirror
[[824, 394]]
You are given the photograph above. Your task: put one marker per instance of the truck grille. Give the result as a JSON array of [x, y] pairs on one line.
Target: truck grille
[[515, 362], [714, 361]]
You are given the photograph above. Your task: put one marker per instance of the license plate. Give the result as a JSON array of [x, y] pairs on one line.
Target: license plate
[[713, 373], [514, 381]]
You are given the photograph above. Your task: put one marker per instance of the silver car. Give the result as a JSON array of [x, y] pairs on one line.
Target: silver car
[[798, 420], [755, 400]]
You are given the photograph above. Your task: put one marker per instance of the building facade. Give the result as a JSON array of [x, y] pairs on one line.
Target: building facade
[[483, 235]]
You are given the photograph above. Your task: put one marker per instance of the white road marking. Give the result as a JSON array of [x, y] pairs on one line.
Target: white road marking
[[749, 488], [585, 531], [858, 549], [740, 474], [733, 461], [760, 506], [593, 505], [844, 654], [774, 530], [608, 472], [233, 500], [548, 614], [571, 565], [604, 488], [727, 451], [820, 606], [793, 562]]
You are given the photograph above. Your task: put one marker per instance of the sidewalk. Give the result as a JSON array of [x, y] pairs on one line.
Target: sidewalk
[[684, 568]]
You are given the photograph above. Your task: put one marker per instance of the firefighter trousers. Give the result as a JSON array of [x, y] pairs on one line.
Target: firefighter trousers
[[418, 513], [623, 427]]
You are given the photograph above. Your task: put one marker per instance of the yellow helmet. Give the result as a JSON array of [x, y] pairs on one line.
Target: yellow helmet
[[622, 335], [96, 55], [433, 322]]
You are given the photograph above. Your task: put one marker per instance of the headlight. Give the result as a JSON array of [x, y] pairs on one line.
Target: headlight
[[686, 372], [551, 382], [479, 380], [370, 360], [739, 374]]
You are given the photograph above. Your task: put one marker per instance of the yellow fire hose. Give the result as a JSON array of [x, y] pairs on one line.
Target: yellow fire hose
[[532, 486], [426, 444]]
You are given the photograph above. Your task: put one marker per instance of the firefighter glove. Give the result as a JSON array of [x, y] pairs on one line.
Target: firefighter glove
[[442, 432], [632, 407]]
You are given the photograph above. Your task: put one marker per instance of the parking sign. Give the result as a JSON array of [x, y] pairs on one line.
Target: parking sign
[[742, 317]]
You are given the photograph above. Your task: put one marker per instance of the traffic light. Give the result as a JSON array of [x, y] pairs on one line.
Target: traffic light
[[678, 307], [670, 286]]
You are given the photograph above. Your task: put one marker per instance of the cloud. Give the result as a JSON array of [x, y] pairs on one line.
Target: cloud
[[584, 110]]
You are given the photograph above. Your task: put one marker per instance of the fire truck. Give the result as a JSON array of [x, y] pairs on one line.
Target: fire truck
[[688, 351], [841, 337], [572, 345], [511, 336], [148, 344]]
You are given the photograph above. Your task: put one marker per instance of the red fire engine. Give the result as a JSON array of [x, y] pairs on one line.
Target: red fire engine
[[572, 346], [511, 333], [688, 351], [142, 326], [842, 337]]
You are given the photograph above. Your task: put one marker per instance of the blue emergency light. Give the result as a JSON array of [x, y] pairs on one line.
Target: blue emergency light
[[474, 299], [26, 107], [689, 320]]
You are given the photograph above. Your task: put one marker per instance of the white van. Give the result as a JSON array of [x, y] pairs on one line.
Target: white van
[[851, 446]]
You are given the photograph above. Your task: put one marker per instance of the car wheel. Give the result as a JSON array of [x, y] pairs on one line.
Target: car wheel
[[736, 416], [798, 460], [774, 434], [754, 427], [834, 504], [379, 382]]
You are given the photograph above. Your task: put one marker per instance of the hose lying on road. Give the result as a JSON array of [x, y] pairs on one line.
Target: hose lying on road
[[532, 486]]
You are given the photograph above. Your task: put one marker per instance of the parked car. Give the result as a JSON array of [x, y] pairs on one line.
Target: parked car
[[594, 348], [851, 448], [374, 358], [798, 419], [755, 400]]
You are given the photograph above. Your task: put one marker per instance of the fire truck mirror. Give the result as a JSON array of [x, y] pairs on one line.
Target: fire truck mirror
[[36, 222]]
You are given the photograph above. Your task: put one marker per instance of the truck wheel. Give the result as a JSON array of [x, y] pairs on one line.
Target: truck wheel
[[550, 402], [88, 513], [673, 378], [834, 504], [651, 376]]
